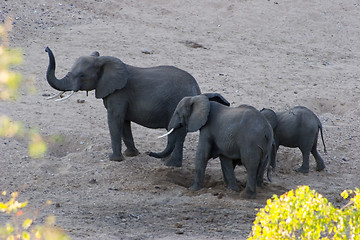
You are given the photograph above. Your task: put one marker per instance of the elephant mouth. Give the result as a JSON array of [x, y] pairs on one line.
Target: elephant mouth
[[61, 95], [166, 134]]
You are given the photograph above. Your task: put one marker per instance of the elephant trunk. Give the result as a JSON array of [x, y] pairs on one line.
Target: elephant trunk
[[64, 84]]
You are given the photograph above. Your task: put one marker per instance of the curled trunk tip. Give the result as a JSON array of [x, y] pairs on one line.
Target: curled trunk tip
[[64, 84]]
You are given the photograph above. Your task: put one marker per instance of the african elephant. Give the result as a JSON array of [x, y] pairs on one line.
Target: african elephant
[[235, 135], [147, 96], [297, 127]]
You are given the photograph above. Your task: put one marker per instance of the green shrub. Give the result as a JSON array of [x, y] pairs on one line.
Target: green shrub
[[305, 214]]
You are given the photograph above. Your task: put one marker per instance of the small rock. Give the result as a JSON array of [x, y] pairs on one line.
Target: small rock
[[80, 101], [179, 231], [57, 205], [145, 51], [192, 44], [93, 181], [178, 225]]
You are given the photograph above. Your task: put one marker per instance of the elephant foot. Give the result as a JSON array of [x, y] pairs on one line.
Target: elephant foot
[[247, 194], [302, 170], [116, 158], [260, 184], [195, 187], [173, 163], [234, 188], [320, 167], [131, 153]]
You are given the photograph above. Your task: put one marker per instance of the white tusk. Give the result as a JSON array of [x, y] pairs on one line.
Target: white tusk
[[69, 95], [164, 135], [56, 95]]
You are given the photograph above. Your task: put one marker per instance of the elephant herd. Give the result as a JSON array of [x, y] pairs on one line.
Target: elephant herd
[[170, 98]]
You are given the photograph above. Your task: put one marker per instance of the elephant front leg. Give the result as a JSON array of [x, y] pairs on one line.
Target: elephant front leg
[[115, 127], [131, 150], [202, 157]]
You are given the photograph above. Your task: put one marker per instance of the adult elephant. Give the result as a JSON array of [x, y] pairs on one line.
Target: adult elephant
[[147, 96]]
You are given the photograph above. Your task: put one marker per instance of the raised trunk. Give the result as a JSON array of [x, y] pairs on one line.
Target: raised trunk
[[64, 84]]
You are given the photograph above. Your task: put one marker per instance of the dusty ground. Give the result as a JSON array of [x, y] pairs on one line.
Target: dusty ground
[[264, 53]]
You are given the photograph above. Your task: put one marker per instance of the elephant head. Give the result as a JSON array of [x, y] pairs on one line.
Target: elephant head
[[271, 116], [102, 73], [191, 112]]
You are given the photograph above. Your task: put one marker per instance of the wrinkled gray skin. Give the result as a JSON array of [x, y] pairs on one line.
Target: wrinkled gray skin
[[147, 96], [234, 135], [297, 127]]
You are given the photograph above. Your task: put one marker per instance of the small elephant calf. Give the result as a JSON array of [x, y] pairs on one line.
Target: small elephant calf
[[235, 135], [297, 127]]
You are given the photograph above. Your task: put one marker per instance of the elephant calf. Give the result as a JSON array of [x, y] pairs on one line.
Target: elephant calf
[[297, 127], [234, 135]]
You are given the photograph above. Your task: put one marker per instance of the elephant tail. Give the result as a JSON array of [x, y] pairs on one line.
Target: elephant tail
[[266, 163], [322, 137]]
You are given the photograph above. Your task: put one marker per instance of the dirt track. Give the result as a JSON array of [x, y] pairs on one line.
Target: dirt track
[[263, 53]]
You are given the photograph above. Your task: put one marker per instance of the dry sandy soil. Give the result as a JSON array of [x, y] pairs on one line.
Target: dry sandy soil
[[274, 54]]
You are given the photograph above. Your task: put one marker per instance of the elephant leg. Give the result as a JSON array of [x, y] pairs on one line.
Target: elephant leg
[[261, 172], [116, 129], [202, 158], [305, 164], [320, 165], [250, 190], [177, 153], [227, 167], [131, 150]]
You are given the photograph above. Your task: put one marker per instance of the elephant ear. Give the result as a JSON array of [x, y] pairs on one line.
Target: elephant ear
[[95, 54], [217, 97], [200, 109], [113, 75]]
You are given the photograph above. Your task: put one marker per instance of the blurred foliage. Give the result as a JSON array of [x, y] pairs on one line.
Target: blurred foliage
[[9, 84], [21, 227], [305, 214]]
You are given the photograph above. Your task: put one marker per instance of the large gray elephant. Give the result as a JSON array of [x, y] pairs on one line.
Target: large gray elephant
[[147, 96], [235, 135], [297, 127]]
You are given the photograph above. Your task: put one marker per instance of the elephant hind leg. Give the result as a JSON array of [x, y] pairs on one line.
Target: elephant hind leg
[[305, 164], [131, 150], [227, 167], [250, 190], [251, 160], [320, 165]]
